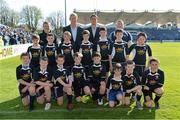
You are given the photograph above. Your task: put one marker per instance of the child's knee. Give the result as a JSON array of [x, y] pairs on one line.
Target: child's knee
[[111, 104]]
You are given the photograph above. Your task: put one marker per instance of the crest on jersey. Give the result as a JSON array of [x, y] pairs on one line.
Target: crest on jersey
[[50, 53], [43, 79], [103, 47], [116, 86], [96, 72], [141, 52], [26, 76], [119, 50], [77, 75], [35, 54], [67, 51], [129, 82], [86, 50], [62, 78]]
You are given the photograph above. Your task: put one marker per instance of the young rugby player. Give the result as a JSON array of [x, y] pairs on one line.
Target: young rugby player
[[80, 83], [35, 51], [119, 50], [103, 47], [50, 51], [66, 49], [86, 49], [115, 86], [62, 82], [131, 84], [97, 76], [140, 49], [153, 81], [42, 76], [26, 84]]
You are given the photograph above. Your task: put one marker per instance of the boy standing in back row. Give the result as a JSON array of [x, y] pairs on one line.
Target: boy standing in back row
[[140, 50]]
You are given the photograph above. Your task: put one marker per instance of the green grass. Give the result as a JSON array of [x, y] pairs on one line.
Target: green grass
[[169, 55]]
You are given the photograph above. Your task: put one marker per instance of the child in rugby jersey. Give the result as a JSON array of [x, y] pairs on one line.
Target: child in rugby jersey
[[62, 83], [80, 83], [153, 82], [131, 84], [115, 86], [119, 50], [140, 50], [86, 49], [42, 76], [26, 83], [35, 51], [50, 51], [97, 76], [103, 47], [66, 49]]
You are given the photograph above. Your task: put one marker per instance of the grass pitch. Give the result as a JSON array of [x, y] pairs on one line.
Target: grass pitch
[[167, 53]]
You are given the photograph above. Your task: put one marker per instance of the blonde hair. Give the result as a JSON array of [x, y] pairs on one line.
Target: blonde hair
[[72, 15], [67, 33]]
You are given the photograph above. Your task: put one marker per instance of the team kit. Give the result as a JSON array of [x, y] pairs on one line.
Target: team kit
[[108, 72]]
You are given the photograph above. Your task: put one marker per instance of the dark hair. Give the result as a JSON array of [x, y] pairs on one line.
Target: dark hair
[[45, 22], [102, 29], [93, 15], [24, 54], [118, 30], [96, 54], [86, 32], [35, 36], [50, 34], [153, 60], [142, 34], [130, 62], [59, 56], [44, 59], [78, 54], [118, 66]]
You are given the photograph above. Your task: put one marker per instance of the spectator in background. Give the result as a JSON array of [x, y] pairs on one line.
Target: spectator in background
[[12, 36], [1, 42], [94, 31], [76, 32], [43, 35], [127, 37], [12, 40]]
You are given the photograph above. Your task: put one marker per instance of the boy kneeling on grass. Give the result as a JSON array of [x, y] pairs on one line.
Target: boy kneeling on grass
[[131, 84], [153, 81], [62, 83], [26, 83], [115, 84], [43, 78]]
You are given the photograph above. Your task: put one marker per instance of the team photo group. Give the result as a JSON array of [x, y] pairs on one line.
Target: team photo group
[[89, 65]]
